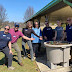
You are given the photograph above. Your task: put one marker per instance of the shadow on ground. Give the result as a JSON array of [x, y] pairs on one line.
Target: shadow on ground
[[42, 58], [2, 61]]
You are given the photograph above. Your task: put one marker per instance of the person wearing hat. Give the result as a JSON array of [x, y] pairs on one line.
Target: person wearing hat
[[15, 33]]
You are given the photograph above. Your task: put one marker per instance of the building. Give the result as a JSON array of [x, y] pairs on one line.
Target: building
[[57, 9]]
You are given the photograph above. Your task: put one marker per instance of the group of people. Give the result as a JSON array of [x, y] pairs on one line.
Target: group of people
[[33, 37], [30, 32], [8, 39], [59, 33]]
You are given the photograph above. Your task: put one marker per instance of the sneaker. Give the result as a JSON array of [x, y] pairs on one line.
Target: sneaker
[[21, 64], [11, 68], [33, 59], [34, 54], [24, 57]]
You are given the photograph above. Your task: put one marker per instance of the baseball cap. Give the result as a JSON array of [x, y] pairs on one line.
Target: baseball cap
[[16, 25]]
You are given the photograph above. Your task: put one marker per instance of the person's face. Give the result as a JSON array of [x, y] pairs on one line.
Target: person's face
[[36, 24], [71, 20], [68, 20], [46, 23], [30, 25], [16, 28], [6, 29], [58, 23]]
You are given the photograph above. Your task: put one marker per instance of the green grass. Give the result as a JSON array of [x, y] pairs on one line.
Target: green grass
[[29, 66]]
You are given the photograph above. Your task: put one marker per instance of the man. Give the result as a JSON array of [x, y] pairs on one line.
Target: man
[[68, 30], [47, 32], [15, 33], [5, 45], [68, 33]]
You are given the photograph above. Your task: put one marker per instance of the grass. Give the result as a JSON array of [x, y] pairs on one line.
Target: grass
[[29, 66]]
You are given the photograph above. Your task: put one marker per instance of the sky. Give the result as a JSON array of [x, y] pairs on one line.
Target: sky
[[15, 9]]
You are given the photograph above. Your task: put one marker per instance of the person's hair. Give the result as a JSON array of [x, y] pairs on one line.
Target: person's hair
[[47, 21], [28, 23], [69, 18], [59, 20], [7, 25], [38, 24]]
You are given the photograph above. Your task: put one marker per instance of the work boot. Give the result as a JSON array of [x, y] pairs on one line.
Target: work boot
[[21, 64]]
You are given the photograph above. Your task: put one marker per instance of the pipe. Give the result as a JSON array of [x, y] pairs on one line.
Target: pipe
[[67, 2]]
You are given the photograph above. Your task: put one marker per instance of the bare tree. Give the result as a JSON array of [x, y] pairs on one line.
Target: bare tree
[[2, 15], [29, 12]]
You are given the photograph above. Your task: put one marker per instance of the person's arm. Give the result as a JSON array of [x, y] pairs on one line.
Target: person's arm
[[55, 35], [44, 34], [23, 30], [64, 36], [9, 45], [36, 35], [24, 37], [40, 32]]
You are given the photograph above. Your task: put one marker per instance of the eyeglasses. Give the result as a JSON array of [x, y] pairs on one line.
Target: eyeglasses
[[68, 20], [36, 24], [6, 29], [46, 23]]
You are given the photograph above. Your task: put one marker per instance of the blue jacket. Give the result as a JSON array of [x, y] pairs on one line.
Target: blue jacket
[[48, 32], [69, 33], [39, 33], [4, 39]]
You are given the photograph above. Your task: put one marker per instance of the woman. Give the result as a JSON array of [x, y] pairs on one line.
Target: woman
[[27, 32], [5, 45], [59, 32], [36, 43]]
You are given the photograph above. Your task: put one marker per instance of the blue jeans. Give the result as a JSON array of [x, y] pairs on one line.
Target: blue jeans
[[30, 46]]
